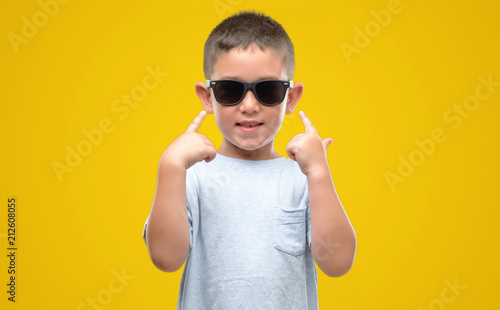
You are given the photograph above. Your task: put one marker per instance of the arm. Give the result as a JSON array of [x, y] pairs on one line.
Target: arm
[[333, 240], [167, 230]]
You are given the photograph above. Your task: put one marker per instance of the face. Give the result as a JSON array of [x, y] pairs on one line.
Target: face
[[249, 127]]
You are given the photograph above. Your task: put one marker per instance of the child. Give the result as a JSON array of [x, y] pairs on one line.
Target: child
[[249, 224]]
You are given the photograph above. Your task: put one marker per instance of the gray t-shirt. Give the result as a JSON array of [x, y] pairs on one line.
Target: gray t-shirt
[[250, 237]]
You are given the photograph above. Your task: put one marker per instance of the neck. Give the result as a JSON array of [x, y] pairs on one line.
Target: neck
[[265, 152]]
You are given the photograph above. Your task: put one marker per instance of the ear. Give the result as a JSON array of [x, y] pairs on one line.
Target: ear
[[205, 96], [294, 95]]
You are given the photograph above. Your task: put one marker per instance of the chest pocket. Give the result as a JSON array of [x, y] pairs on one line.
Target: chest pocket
[[290, 231]]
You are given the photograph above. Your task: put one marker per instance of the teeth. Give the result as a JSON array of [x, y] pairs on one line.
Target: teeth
[[249, 125]]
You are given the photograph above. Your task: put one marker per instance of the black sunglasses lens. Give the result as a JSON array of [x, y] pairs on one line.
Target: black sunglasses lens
[[270, 92], [228, 92]]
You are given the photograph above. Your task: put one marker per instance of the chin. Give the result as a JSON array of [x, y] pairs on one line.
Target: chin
[[249, 145]]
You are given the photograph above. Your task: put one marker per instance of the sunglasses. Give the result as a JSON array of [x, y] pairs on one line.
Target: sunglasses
[[267, 92]]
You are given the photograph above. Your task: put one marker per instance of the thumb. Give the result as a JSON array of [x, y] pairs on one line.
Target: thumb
[[289, 151], [327, 142]]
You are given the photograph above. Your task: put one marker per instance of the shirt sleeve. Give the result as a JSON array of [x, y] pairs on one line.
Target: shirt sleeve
[[190, 221], [144, 230], [192, 203], [308, 224], [305, 200]]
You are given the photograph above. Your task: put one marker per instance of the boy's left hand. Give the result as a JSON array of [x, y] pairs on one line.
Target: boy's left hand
[[308, 149]]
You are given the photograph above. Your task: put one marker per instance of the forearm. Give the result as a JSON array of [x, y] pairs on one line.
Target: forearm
[[167, 231], [333, 240]]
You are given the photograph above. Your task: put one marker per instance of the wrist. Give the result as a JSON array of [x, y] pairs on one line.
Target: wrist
[[168, 163], [318, 171]]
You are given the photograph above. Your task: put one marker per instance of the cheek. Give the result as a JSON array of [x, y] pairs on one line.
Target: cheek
[[222, 117], [276, 119]]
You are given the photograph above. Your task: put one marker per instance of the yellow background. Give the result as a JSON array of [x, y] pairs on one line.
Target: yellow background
[[438, 226]]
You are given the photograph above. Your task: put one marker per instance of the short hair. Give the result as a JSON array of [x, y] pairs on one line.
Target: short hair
[[244, 29]]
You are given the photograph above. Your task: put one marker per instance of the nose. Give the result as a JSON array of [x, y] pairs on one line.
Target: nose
[[249, 104]]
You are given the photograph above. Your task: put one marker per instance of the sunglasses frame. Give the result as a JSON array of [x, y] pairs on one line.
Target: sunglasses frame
[[247, 86]]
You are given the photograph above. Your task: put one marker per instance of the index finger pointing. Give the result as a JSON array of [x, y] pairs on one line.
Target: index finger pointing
[[308, 125], [195, 124]]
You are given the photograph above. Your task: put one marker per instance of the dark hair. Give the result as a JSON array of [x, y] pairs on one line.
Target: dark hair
[[244, 29]]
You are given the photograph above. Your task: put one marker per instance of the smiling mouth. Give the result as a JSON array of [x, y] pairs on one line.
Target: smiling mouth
[[249, 124]]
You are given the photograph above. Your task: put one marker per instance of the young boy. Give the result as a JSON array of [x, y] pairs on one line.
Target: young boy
[[249, 224]]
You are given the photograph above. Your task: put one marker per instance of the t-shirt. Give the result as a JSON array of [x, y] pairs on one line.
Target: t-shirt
[[250, 236]]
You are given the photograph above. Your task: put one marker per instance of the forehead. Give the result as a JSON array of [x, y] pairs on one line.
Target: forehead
[[249, 64]]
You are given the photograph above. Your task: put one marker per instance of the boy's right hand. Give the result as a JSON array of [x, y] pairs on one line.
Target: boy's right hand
[[190, 147]]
